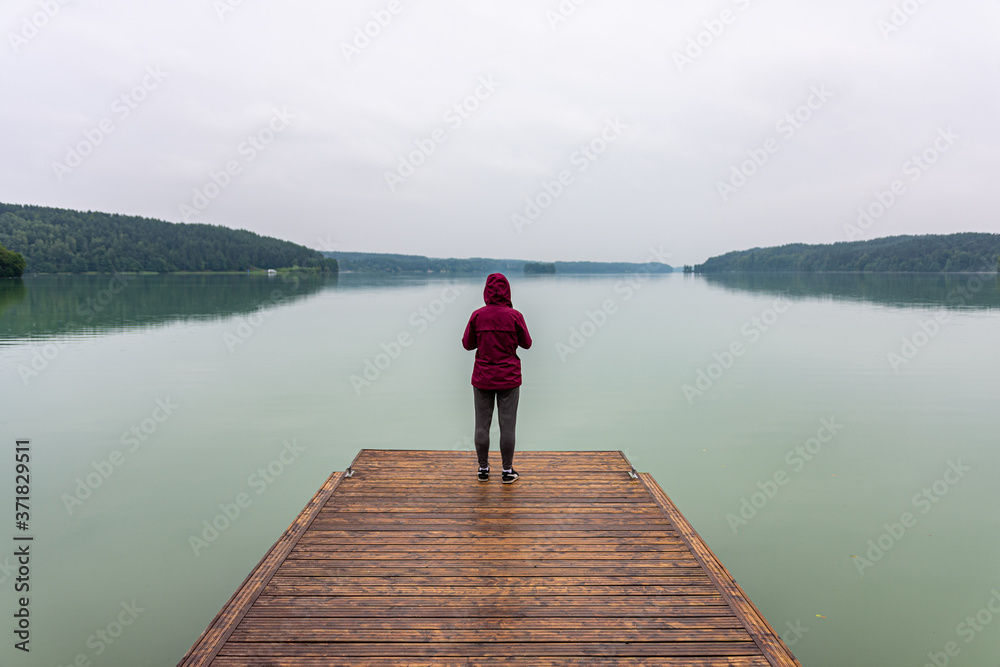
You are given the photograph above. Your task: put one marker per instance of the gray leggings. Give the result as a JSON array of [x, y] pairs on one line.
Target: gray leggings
[[506, 400]]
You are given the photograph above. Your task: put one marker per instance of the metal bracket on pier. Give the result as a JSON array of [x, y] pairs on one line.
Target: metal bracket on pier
[[631, 473]]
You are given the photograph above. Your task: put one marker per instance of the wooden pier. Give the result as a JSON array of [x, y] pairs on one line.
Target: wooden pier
[[407, 559]]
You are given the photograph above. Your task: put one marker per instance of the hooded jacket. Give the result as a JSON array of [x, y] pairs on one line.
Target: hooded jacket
[[495, 331]]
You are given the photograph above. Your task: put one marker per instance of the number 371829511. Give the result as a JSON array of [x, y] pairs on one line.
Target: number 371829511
[[22, 484]]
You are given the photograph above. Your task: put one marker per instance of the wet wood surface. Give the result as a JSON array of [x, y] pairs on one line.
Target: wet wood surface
[[413, 561]]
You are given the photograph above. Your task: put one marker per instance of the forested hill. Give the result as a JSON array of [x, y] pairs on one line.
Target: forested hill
[[56, 240], [931, 253], [371, 262]]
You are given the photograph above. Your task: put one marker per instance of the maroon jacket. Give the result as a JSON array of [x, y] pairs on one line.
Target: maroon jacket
[[495, 331]]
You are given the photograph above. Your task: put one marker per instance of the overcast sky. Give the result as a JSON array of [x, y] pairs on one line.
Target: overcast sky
[[583, 130]]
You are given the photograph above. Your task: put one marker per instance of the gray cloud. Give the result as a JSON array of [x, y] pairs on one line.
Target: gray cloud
[[323, 177]]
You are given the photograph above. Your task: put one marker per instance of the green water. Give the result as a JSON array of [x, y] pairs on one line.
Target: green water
[[203, 383]]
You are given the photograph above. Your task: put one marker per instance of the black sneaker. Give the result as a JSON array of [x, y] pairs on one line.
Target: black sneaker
[[484, 474], [509, 476]]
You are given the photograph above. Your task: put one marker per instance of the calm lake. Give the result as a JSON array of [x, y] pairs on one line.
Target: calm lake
[[833, 438]]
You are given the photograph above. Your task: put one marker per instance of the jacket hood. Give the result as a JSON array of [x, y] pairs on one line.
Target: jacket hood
[[497, 292]]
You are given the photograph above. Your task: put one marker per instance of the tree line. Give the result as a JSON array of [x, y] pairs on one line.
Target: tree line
[[64, 241], [930, 253], [369, 262]]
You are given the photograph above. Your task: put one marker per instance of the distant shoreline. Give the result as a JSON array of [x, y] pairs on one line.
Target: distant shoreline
[[252, 272], [444, 274], [966, 252]]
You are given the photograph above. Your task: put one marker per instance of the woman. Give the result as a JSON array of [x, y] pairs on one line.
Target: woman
[[495, 331]]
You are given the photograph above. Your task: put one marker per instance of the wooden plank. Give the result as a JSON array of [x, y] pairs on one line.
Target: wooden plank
[[506, 661], [498, 495], [421, 508], [606, 529], [315, 549], [292, 632], [404, 534], [316, 557], [366, 480], [510, 606], [468, 462], [309, 543], [367, 541], [525, 512], [366, 456], [496, 623], [418, 569], [670, 578], [501, 493], [324, 585], [536, 606], [410, 610], [489, 649], [215, 635], [509, 519]]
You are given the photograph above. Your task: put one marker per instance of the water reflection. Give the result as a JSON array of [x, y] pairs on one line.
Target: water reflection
[[12, 291], [59, 305], [957, 291], [72, 305]]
